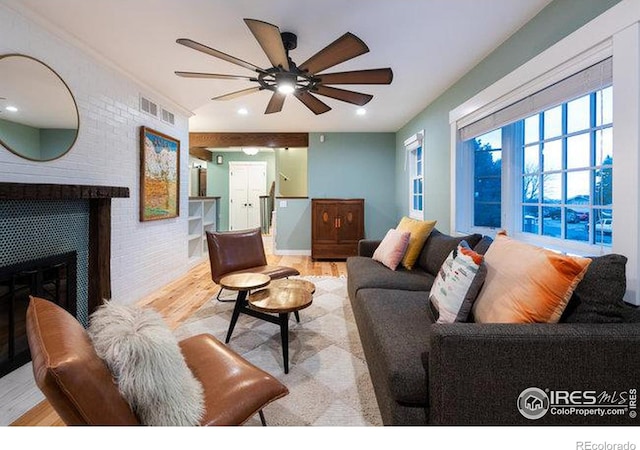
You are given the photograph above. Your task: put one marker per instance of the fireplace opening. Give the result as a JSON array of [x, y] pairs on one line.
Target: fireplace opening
[[53, 278]]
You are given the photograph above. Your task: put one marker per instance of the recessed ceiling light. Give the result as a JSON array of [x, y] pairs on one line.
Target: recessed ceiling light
[[11, 108], [361, 111], [243, 111]]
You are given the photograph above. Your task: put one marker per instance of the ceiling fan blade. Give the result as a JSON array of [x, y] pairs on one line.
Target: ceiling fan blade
[[276, 102], [346, 96], [312, 102], [218, 54], [372, 76], [237, 94], [342, 49], [268, 36], [217, 76]]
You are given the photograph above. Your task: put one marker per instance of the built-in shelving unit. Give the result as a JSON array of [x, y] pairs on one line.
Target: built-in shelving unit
[[203, 217]]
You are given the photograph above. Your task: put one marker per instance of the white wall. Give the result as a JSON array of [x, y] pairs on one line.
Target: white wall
[[145, 256]]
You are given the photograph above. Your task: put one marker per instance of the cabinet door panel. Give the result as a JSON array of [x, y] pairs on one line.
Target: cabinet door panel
[[350, 221], [324, 222]]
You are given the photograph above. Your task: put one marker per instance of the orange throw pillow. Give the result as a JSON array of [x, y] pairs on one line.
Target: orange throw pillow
[[525, 283], [420, 231]]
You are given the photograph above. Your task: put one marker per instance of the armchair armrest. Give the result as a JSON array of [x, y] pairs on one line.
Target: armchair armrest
[[366, 247], [478, 371]]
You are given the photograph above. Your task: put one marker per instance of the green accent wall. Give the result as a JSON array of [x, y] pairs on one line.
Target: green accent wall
[[345, 165], [559, 19], [21, 138], [218, 179], [36, 143]]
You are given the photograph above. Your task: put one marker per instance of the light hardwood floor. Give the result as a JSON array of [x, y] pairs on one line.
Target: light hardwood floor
[[179, 299]]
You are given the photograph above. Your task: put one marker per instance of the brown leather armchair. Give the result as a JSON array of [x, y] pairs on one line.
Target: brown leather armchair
[[233, 252], [80, 388]]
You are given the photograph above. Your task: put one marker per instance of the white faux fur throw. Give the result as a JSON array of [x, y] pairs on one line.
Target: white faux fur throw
[[147, 364]]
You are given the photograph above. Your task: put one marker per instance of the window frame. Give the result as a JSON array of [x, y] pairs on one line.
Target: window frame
[[411, 146]]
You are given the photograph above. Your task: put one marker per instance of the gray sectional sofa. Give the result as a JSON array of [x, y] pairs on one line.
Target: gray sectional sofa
[[471, 374]]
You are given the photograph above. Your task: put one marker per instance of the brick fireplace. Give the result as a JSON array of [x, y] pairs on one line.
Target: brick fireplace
[[52, 235]]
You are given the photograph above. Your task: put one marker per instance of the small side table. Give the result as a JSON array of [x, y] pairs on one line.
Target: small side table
[[292, 297], [243, 283]]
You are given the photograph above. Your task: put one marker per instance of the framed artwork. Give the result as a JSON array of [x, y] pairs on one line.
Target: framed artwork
[[159, 175], [219, 159]]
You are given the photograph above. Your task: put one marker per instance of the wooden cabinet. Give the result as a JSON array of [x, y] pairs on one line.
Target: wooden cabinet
[[336, 227]]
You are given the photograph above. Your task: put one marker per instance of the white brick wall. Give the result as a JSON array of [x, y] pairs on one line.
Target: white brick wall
[[145, 255]]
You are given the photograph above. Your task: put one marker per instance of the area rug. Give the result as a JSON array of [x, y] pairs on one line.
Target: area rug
[[328, 379]]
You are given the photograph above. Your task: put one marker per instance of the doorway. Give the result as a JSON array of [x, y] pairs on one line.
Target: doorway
[[247, 182]]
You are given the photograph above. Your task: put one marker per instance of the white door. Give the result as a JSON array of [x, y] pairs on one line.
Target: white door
[[247, 182]]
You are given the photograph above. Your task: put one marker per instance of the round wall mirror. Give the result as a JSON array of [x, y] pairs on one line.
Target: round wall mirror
[[38, 114]]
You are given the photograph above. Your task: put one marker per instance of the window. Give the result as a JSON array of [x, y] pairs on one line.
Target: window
[[413, 146], [545, 169], [566, 177], [487, 179]]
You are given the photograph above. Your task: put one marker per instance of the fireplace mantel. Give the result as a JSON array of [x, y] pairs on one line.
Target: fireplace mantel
[[37, 191], [99, 198]]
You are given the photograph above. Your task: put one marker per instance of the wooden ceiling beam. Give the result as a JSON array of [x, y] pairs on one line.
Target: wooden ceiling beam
[[225, 140], [201, 153]]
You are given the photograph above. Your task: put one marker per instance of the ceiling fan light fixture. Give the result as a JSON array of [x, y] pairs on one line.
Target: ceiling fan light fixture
[[286, 83], [251, 151], [243, 111], [361, 111]]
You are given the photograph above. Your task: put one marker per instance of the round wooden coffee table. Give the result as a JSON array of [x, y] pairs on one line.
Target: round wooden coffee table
[[283, 297], [243, 283]]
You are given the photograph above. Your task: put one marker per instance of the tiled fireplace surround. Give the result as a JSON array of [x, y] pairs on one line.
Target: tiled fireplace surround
[[42, 220]]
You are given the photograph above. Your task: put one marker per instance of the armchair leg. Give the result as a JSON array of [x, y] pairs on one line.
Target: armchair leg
[[224, 300], [264, 422]]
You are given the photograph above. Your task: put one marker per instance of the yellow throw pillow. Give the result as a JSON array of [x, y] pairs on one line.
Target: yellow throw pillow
[[526, 284], [420, 230]]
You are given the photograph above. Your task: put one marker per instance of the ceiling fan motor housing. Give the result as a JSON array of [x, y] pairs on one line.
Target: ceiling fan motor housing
[[289, 40]]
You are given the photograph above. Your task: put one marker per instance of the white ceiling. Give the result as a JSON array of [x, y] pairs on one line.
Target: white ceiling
[[429, 44]]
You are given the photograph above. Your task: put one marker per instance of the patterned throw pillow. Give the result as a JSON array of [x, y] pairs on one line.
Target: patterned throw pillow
[[420, 230], [457, 285], [525, 283], [392, 248]]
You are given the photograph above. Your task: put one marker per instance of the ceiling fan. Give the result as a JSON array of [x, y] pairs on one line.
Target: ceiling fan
[[304, 80]]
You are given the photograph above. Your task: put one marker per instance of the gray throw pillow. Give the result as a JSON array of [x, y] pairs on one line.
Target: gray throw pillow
[[598, 296], [147, 364], [439, 246], [482, 246]]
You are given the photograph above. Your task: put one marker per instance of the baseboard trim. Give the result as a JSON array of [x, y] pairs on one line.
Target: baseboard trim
[[292, 252]]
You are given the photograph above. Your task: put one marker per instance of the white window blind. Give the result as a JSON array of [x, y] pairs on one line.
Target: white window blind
[[592, 78]]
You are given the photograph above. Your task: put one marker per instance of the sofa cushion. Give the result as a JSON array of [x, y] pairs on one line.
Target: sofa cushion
[[420, 230], [482, 246], [526, 284], [598, 298], [394, 326], [457, 285], [392, 248], [366, 273], [438, 246]]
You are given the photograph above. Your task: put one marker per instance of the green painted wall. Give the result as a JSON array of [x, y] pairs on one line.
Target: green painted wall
[[22, 139], [55, 141], [557, 20], [36, 143], [345, 165], [218, 179], [292, 163]]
